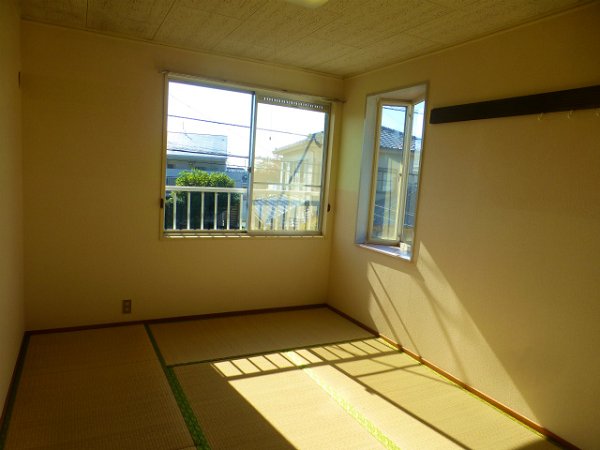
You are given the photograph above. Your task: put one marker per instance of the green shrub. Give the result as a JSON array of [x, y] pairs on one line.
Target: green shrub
[[219, 179], [194, 177], [197, 177]]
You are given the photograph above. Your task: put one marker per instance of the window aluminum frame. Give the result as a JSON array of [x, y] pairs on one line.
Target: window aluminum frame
[[259, 95], [403, 181], [262, 97]]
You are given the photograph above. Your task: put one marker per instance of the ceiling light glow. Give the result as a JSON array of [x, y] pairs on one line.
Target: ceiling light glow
[[308, 3]]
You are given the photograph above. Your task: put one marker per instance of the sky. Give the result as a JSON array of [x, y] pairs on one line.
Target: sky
[[224, 112], [393, 117]]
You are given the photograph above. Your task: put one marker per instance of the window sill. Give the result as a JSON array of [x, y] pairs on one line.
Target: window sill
[[402, 252], [243, 236]]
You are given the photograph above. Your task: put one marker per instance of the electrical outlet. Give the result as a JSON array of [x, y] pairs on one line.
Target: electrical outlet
[[126, 306]]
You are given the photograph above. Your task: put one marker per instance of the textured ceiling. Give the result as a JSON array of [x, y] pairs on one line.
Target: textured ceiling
[[342, 38]]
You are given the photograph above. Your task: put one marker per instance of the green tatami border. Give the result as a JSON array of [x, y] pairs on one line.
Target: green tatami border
[[185, 408]]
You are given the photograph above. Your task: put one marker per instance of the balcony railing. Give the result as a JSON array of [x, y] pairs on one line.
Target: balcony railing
[[205, 208], [220, 209]]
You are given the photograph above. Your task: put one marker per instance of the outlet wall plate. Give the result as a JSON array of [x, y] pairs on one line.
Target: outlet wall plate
[[126, 306]]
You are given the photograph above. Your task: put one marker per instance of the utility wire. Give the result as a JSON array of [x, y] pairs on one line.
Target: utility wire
[[221, 123], [236, 125]]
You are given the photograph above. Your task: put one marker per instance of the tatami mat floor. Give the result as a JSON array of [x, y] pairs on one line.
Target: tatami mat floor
[[297, 379]]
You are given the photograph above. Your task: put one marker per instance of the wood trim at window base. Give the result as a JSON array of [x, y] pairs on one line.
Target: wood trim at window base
[[495, 403]]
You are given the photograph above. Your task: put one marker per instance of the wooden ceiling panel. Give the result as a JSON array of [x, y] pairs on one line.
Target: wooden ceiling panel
[[483, 17], [399, 47], [230, 8], [341, 38], [68, 13], [189, 27], [312, 52], [139, 19], [394, 49], [279, 24], [244, 50], [365, 25]]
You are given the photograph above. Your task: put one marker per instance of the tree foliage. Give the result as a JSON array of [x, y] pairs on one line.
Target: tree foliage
[[197, 177]]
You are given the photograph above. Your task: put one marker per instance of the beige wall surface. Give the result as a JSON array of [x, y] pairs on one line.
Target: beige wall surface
[[11, 230], [504, 291], [93, 119]]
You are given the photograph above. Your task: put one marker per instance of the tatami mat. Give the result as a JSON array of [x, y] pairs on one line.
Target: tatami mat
[[271, 401], [297, 379], [217, 338], [273, 411], [413, 405], [96, 389]]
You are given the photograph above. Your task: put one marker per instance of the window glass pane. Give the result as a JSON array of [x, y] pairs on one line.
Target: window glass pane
[[414, 164], [208, 149], [288, 168], [388, 192]]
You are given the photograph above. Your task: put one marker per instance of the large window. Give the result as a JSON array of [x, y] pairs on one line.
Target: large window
[[391, 168], [242, 161]]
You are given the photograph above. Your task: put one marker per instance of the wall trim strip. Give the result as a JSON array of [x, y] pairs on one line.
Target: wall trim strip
[[567, 100], [178, 318]]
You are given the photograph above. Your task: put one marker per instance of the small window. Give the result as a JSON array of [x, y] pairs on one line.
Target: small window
[[391, 168], [396, 178], [251, 162]]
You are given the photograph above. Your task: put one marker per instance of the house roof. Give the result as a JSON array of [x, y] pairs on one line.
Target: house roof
[[197, 143], [390, 138], [197, 147], [394, 139]]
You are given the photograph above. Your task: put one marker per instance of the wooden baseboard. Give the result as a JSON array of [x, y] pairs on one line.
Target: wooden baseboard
[[356, 322], [246, 312], [502, 407], [11, 394]]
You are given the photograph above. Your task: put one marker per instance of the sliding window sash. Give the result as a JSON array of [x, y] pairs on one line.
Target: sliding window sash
[[307, 104]]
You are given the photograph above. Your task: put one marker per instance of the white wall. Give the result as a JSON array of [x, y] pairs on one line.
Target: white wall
[[504, 292], [11, 234], [93, 117]]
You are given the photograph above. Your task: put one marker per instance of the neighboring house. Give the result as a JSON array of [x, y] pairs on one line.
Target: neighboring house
[[296, 166], [288, 185], [301, 163], [186, 151], [207, 152]]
